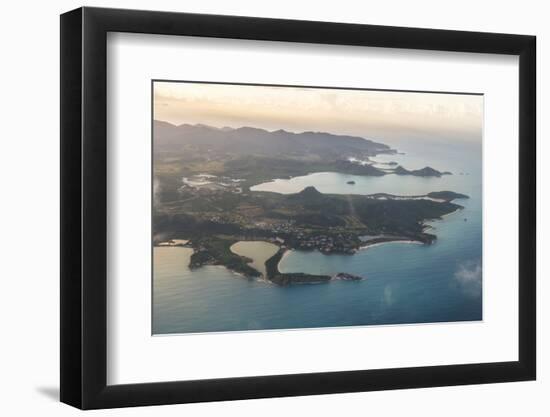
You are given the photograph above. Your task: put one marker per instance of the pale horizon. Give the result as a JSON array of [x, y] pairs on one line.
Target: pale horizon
[[372, 114]]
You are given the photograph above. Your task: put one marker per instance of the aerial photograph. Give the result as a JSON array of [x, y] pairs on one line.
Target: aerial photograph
[[287, 207]]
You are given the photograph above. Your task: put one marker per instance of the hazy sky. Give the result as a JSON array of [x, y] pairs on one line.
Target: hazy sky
[[374, 114]]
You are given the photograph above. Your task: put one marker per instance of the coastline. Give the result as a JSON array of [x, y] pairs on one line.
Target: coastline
[[282, 253], [283, 256], [281, 278], [452, 212], [405, 241]]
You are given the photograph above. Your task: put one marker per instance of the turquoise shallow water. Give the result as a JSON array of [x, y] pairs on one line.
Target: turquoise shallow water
[[405, 283]]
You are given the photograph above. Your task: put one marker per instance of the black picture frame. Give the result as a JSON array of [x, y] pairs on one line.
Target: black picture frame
[[84, 207]]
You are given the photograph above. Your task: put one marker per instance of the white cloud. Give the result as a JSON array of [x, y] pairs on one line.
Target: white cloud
[[469, 277], [388, 295]]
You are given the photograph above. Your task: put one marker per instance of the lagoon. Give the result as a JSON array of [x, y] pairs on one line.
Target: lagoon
[[258, 251]]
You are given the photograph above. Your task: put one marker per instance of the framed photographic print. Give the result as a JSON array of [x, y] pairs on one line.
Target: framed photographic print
[[258, 207]]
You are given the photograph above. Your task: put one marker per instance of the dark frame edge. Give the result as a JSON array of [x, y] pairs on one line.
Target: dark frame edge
[[528, 206], [278, 386], [70, 218]]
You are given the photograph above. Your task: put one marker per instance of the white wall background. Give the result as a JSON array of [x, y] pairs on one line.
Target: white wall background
[[29, 172]]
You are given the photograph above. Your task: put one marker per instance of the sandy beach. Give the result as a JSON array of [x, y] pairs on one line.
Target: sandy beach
[[367, 246]]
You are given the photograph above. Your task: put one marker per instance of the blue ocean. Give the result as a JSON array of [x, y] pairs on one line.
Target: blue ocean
[[405, 283]]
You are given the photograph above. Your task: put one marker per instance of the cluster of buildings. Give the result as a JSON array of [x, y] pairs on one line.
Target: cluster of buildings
[[325, 244], [295, 238], [283, 228]]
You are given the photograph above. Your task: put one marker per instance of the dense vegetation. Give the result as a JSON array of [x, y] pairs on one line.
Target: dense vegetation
[[216, 251], [275, 276], [446, 195]]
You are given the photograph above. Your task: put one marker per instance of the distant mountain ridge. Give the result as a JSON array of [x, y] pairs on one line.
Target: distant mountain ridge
[[251, 140]]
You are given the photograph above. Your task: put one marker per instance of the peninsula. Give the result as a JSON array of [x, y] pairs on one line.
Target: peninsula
[[202, 197]]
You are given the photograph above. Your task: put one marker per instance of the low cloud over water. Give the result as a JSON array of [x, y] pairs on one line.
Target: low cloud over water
[[469, 277]]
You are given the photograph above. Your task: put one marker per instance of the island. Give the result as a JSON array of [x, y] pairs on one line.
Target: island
[[424, 172], [202, 196], [343, 276]]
